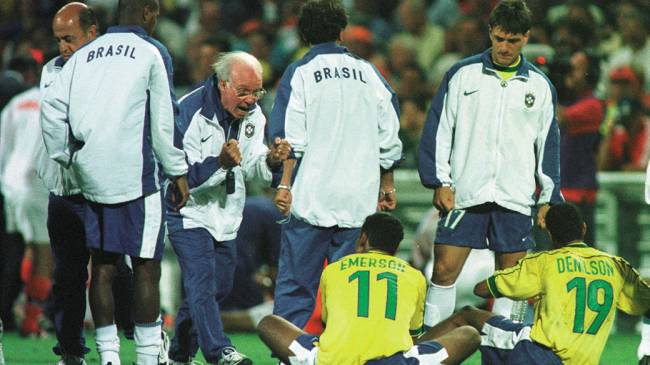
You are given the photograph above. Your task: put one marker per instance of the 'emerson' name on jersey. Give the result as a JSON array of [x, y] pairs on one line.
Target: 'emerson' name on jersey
[[362, 261], [336, 73], [119, 50]]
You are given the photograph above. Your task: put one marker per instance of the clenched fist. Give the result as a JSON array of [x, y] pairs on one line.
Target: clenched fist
[[230, 155], [279, 152]]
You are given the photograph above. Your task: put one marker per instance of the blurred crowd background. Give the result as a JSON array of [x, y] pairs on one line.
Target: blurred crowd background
[[411, 42]]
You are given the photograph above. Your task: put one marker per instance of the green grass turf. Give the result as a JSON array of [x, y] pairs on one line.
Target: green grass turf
[[620, 349]]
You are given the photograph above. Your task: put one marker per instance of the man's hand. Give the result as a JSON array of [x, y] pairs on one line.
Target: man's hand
[[387, 200], [181, 192], [282, 201], [541, 215], [230, 155], [443, 199], [279, 152]]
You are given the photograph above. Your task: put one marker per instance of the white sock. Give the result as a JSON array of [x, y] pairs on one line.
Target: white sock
[[147, 342], [503, 307], [644, 346], [108, 345], [258, 312], [440, 304]]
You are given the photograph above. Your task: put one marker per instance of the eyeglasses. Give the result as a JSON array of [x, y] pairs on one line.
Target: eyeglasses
[[243, 93]]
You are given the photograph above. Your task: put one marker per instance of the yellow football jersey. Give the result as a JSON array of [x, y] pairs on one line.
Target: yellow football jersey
[[372, 304], [577, 290]]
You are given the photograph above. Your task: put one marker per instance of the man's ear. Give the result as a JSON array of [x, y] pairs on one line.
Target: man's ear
[[92, 32]]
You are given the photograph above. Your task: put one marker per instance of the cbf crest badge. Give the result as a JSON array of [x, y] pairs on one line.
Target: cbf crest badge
[[249, 130], [529, 100]]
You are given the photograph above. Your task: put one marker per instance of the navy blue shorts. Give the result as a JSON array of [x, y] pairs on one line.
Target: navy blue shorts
[[135, 228], [508, 342], [486, 226], [306, 350]]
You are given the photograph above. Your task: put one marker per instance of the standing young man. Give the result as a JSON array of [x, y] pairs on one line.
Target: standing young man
[[577, 288], [114, 135], [373, 308], [491, 136], [341, 119]]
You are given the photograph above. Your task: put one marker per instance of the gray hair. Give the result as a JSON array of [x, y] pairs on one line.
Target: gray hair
[[222, 68]]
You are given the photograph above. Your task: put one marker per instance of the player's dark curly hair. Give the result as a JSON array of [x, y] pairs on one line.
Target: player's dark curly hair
[[564, 223], [384, 232], [322, 21], [513, 16]]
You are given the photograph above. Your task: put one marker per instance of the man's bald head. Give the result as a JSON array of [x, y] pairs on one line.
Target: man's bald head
[[74, 25]]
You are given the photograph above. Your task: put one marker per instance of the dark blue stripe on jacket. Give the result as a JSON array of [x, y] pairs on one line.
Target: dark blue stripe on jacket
[[427, 149]]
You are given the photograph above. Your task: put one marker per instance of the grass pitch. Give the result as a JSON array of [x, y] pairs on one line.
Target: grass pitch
[[621, 349]]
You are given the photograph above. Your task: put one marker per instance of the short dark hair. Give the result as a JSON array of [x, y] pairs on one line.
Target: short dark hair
[[513, 16], [564, 222], [87, 18], [384, 231], [129, 10], [322, 21]]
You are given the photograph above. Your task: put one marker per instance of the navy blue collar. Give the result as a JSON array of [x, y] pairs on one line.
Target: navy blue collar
[[486, 58], [127, 29], [329, 47], [59, 61], [212, 106]]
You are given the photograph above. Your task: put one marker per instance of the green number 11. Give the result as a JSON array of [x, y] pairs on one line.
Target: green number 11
[[363, 292], [588, 294]]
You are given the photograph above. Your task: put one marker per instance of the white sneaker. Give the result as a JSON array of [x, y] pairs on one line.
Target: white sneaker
[[71, 360], [163, 355], [230, 356]]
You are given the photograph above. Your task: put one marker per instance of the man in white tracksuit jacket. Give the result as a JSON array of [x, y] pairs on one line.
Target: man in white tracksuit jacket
[[110, 115], [490, 138], [222, 131], [341, 119]]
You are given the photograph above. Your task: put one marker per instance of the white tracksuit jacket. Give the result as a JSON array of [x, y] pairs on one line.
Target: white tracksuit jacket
[[204, 127], [57, 179], [493, 140], [341, 119], [109, 113]]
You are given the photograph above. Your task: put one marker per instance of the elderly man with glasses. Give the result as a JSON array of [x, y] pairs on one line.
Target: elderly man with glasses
[[222, 133]]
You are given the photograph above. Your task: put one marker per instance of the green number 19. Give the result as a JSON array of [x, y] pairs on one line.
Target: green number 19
[[363, 292], [589, 295]]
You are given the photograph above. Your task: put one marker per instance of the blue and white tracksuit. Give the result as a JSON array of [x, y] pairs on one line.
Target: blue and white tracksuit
[[493, 140], [341, 119], [203, 232], [109, 114], [65, 225]]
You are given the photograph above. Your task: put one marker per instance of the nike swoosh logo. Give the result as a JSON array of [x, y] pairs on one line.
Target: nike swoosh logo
[[470, 92], [206, 138], [47, 85]]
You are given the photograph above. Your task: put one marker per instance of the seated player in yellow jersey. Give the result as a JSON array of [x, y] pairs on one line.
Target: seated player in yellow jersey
[[577, 289], [373, 309]]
